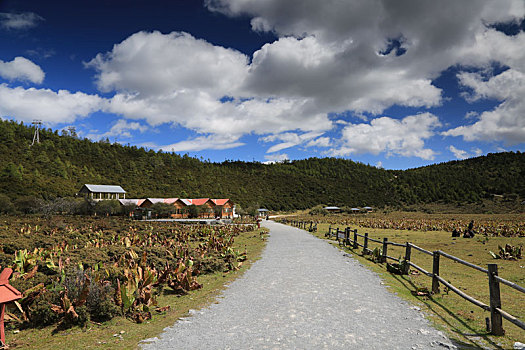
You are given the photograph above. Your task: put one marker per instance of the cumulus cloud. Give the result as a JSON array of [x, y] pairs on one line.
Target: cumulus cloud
[[319, 142], [405, 137], [477, 151], [458, 153], [506, 122], [21, 69], [329, 57], [19, 21], [122, 128], [45, 104], [275, 158], [289, 140], [176, 78], [340, 54], [171, 62], [200, 143]]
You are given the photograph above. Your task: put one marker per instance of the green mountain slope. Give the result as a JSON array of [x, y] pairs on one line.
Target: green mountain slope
[[60, 165]]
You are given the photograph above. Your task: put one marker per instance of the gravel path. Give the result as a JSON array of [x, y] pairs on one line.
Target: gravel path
[[303, 294]]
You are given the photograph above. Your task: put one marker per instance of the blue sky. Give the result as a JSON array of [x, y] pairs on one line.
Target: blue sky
[[392, 84]]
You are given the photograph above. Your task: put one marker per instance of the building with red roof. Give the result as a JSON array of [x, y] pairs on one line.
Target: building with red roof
[[209, 208]]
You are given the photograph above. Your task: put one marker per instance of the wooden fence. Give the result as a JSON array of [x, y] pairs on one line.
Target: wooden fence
[[350, 238], [305, 225]]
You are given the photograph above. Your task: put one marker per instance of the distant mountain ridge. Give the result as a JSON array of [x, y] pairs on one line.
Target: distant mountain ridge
[[61, 164]]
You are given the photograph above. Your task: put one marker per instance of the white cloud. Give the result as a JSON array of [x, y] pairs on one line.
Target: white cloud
[[336, 53], [199, 143], [122, 128], [326, 74], [379, 165], [477, 151], [458, 153], [506, 122], [275, 158], [45, 104], [19, 21], [471, 115], [176, 78], [22, 69], [330, 57], [290, 140], [403, 137], [172, 63], [319, 142]]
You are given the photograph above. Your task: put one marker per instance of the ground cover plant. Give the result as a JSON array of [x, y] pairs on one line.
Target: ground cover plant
[[77, 271], [463, 321]]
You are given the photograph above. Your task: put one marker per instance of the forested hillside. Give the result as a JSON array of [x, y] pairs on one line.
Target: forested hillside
[[61, 164]]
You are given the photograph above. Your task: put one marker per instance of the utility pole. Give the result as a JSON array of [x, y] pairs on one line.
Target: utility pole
[[36, 137]]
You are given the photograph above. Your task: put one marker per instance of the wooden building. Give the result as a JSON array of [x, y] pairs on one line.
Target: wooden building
[[100, 192], [226, 207], [332, 209], [207, 206]]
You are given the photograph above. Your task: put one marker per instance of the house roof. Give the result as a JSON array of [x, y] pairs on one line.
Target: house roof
[[199, 201], [367, 208], [331, 208], [155, 200], [104, 188], [129, 201], [355, 209], [161, 200], [170, 200], [186, 201], [220, 201], [262, 210]]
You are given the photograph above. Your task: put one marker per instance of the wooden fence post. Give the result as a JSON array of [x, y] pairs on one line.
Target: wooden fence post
[[365, 244], [435, 272], [495, 301], [355, 239], [347, 236], [311, 225], [408, 252], [385, 250]]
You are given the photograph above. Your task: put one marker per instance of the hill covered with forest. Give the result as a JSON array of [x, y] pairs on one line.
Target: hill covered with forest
[[60, 164]]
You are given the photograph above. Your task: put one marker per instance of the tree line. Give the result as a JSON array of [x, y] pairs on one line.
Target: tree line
[[59, 165]]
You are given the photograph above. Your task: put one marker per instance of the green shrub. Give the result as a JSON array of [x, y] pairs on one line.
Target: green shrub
[[6, 206], [26, 204], [163, 210], [41, 314], [107, 207], [318, 210], [100, 303]]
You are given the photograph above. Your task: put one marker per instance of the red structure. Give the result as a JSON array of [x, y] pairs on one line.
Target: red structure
[[7, 293]]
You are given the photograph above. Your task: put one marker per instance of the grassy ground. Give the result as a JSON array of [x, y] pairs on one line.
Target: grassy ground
[[463, 321], [121, 333]]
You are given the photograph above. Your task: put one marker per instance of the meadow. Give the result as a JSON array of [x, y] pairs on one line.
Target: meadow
[[109, 282], [462, 320]]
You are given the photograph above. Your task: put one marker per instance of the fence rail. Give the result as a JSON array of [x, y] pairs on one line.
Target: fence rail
[[497, 313]]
